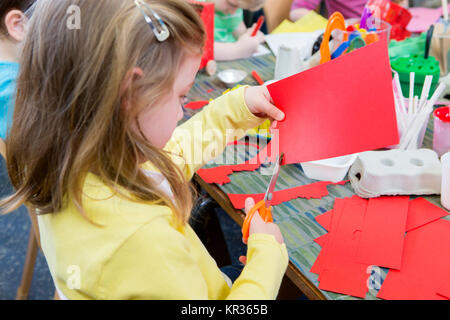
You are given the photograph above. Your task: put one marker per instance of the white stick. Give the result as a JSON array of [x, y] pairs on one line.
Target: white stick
[[440, 89], [425, 92], [416, 104], [399, 90], [411, 92], [445, 9]]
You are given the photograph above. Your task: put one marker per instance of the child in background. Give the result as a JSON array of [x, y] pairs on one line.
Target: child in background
[[232, 38], [93, 147], [12, 33], [349, 8]]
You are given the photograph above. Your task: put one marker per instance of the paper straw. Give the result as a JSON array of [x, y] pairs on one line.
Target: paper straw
[[425, 91], [411, 92], [399, 90], [440, 89]]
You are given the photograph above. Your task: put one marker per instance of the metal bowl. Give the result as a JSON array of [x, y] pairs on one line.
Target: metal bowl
[[232, 77]]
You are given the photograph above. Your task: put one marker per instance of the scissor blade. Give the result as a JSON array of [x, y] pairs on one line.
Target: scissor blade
[[273, 182]]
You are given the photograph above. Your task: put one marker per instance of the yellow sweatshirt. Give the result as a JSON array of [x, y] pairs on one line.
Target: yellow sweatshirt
[[138, 254]]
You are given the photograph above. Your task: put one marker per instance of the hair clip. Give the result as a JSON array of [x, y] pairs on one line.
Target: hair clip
[[162, 34]]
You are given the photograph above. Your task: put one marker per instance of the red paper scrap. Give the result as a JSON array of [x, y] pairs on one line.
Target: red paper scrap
[[322, 240], [338, 108], [383, 233], [324, 219], [425, 267], [340, 272], [314, 190], [421, 212], [220, 174], [195, 105]]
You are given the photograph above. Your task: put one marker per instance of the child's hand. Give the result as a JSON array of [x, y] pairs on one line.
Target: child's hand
[[248, 45], [260, 103], [258, 225]]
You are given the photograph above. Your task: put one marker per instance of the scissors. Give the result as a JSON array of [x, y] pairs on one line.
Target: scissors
[[263, 207]]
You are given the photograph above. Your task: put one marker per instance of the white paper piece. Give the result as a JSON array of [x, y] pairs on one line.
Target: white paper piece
[[303, 41]]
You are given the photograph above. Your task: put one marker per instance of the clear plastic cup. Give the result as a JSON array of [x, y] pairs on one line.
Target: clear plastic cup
[[441, 136], [440, 46]]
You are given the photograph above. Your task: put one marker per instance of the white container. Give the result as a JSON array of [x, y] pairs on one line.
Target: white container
[[333, 169], [445, 189], [231, 77]]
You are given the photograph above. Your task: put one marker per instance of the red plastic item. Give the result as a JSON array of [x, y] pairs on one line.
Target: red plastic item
[[206, 12], [257, 78], [443, 113], [258, 25], [397, 16]]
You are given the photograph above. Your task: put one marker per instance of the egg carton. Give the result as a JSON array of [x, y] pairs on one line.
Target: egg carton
[[396, 172]]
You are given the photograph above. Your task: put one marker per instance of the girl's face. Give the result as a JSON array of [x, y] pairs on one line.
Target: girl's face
[[226, 6], [157, 122]]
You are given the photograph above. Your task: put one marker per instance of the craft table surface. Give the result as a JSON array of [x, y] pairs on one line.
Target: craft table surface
[[296, 217]]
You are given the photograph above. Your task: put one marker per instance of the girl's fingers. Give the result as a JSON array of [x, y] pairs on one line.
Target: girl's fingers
[[249, 204]]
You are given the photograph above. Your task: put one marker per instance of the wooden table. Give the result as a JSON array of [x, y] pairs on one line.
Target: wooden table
[[296, 217]]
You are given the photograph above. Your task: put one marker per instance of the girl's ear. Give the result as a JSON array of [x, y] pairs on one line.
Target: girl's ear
[[15, 22], [131, 76]]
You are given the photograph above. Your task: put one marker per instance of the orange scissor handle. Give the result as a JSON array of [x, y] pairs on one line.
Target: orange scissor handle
[[265, 213], [336, 21]]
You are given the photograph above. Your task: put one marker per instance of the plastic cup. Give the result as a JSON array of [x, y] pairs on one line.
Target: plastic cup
[[382, 31], [445, 188], [441, 136]]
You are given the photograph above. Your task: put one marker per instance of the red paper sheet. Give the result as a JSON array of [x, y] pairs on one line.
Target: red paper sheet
[[324, 219], [444, 289], [322, 240], [220, 174], [340, 272], [315, 190], [425, 266], [421, 212], [341, 107], [383, 233]]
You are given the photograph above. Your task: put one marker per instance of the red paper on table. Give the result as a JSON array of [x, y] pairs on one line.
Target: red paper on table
[[383, 232], [322, 240], [340, 272], [341, 107], [220, 174], [324, 219], [425, 267], [421, 212], [314, 190]]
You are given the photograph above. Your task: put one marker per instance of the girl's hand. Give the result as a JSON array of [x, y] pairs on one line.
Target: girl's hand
[[258, 225], [260, 103]]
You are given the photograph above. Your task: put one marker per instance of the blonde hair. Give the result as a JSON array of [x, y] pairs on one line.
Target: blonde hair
[[68, 118]]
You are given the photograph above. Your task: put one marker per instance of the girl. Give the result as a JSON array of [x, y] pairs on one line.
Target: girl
[[94, 148]]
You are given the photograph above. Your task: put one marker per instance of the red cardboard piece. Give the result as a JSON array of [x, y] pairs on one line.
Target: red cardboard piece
[[315, 190], [196, 105], [383, 233], [325, 219], [421, 212], [338, 108], [425, 265]]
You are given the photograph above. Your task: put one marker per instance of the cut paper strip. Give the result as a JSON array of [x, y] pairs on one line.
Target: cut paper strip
[[324, 219], [220, 174], [341, 273], [322, 240], [342, 107], [425, 267], [383, 233], [421, 212], [196, 105], [315, 190]]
